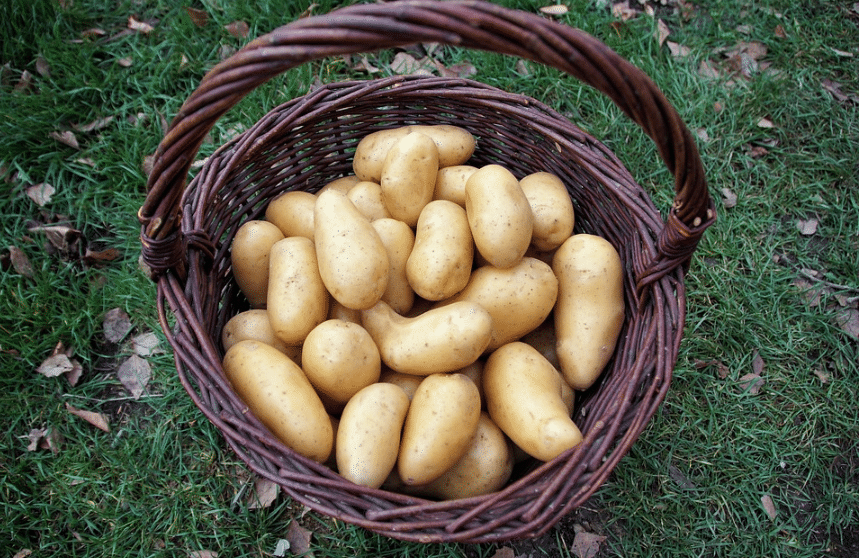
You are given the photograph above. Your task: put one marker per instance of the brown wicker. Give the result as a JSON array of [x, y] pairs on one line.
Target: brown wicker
[[302, 144]]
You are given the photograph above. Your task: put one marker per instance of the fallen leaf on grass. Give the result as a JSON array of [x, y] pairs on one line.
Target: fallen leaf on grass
[[63, 238], [42, 67], [20, 262], [134, 374], [41, 193], [721, 369], [555, 10], [24, 82], [587, 545], [406, 64], [769, 506], [834, 89], [364, 66], [147, 344], [45, 438], [140, 26], [729, 198], [264, 494], [779, 31], [758, 364], [66, 138], [55, 365], [807, 227], [848, 320], [822, 376], [751, 383], [198, 17], [299, 539], [677, 50], [96, 419], [95, 125], [765, 123], [116, 325], [94, 258], [125, 62], [238, 29], [662, 32], [281, 548], [622, 11], [202, 554]]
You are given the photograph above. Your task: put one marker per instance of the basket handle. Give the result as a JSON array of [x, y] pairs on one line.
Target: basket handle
[[475, 24]]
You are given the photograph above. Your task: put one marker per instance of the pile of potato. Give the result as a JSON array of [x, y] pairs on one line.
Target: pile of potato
[[422, 324]]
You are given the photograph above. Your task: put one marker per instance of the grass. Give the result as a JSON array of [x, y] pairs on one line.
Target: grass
[[162, 483]]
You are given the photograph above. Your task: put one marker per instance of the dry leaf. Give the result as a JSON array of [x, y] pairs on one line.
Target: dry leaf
[[264, 493], [20, 262], [147, 344], [97, 124], [24, 552], [55, 365], [125, 62], [701, 134], [822, 376], [662, 32], [406, 64], [238, 29], [504, 552], [281, 547], [41, 193], [677, 50], [708, 70], [94, 258], [116, 325], [93, 32], [67, 138], [364, 65], [42, 67], [807, 227], [555, 10], [780, 32], [758, 364], [198, 17], [134, 374], [45, 438], [622, 11], [61, 237], [96, 419], [587, 545], [751, 383], [462, 70], [744, 29], [842, 53], [721, 369], [140, 26], [299, 538], [522, 68], [848, 320], [202, 554], [769, 506], [729, 198], [757, 151], [834, 89]]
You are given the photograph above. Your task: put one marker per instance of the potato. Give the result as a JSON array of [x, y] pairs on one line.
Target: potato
[[474, 372], [590, 310], [249, 253], [440, 340], [486, 465], [439, 265], [353, 262], [297, 299], [408, 177], [499, 214], [254, 324], [450, 183], [367, 197], [398, 240], [292, 213], [455, 145], [337, 311], [441, 421], [544, 340], [518, 298], [552, 208], [371, 151], [525, 399], [368, 437], [407, 382], [340, 358], [342, 184], [277, 392]]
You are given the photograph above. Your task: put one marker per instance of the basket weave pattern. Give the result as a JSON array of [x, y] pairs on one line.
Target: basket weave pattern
[[308, 141]]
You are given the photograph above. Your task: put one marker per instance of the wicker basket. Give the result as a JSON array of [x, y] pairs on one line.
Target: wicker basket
[[304, 143]]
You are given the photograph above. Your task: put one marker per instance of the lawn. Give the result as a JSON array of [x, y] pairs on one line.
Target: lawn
[[755, 450]]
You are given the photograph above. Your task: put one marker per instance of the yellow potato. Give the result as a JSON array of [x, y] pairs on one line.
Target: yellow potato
[[524, 396], [353, 262], [440, 340], [399, 240], [590, 310], [450, 183], [292, 212], [485, 467], [518, 298], [474, 372], [441, 421], [249, 254], [342, 184], [439, 265], [337, 311], [408, 177], [455, 145], [371, 151], [279, 395], [552, 208], [544, 340], [340, 358], [407, 382], [254, 324], [368, 437], [297, 299], [499, 214], [367, 197]]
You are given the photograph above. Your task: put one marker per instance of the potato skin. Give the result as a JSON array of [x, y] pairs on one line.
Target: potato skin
[[439, 265], [524, 397], [279, 395], [408, 177], [292, 213], [441, 421], [590, 310], [499, 214], [297, 299], [340, 358], [552, 207], [353, 262], [398, 239], [342, 184], [254, 324], [249, 253], [450, 183], [407, 382], [439, 340], [371, 151], [455, 145], [367, 197], [368, 436]]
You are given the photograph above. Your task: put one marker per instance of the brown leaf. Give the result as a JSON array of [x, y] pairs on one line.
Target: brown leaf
[[96, 419], [757, 151], [587, 545], [365, 66], [765, 123], [779, 32], [662, 32], [708, 70], [42, 67], [93, 32], [238, 29], [94, 258], [729, 198], [55, 365], [406, 64], [823, 376], [757, 364], [41, 193], [202, 554], [299, 538], [721, 369], [461, 70], [555, 10], [62, 237], [848, 320], [45, 438], [134, 374], [73, 375], [751, 383], [67, 138], [97, 124], [140, 26], [811, 293], [264, 493], [24, 82], [769, 506], [20, 262], [677, 50], [198, 17], [807, 227], [834, 89], [504, 552], [125, 62], [23, 553], [622, 11], [116, 325], [146, 344]]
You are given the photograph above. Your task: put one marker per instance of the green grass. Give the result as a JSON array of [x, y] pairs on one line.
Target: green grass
[[163, 483]]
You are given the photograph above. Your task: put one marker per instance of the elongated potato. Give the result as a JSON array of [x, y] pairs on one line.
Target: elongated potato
[[254, 324], [518, 298], [408, 177], [590, 310], [441, 421], [499, 214], [455, 145], [279, 395], [440, 340], [450, 183], [342, 184], [439, 265], [249, 254], [340, 358], [524, 396], [292, 212], [367, 197], [398, 239], [368, 436], [353, 262], [297, 299], [552, 208], [407, 382], [371, 151]]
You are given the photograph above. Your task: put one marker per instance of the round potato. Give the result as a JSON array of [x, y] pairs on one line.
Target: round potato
[[277, 393], [367, 197], [440, 340], [353, 262], [499, 214], [297, 299], [340, 358], [439, 426], [368, 437], [292, 213], [254, 324], [590, 310], [450, 183], [552, 208], [524, 396], [398, 239], [408, 177], [371, 151], [439, 265], [249, 253]]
